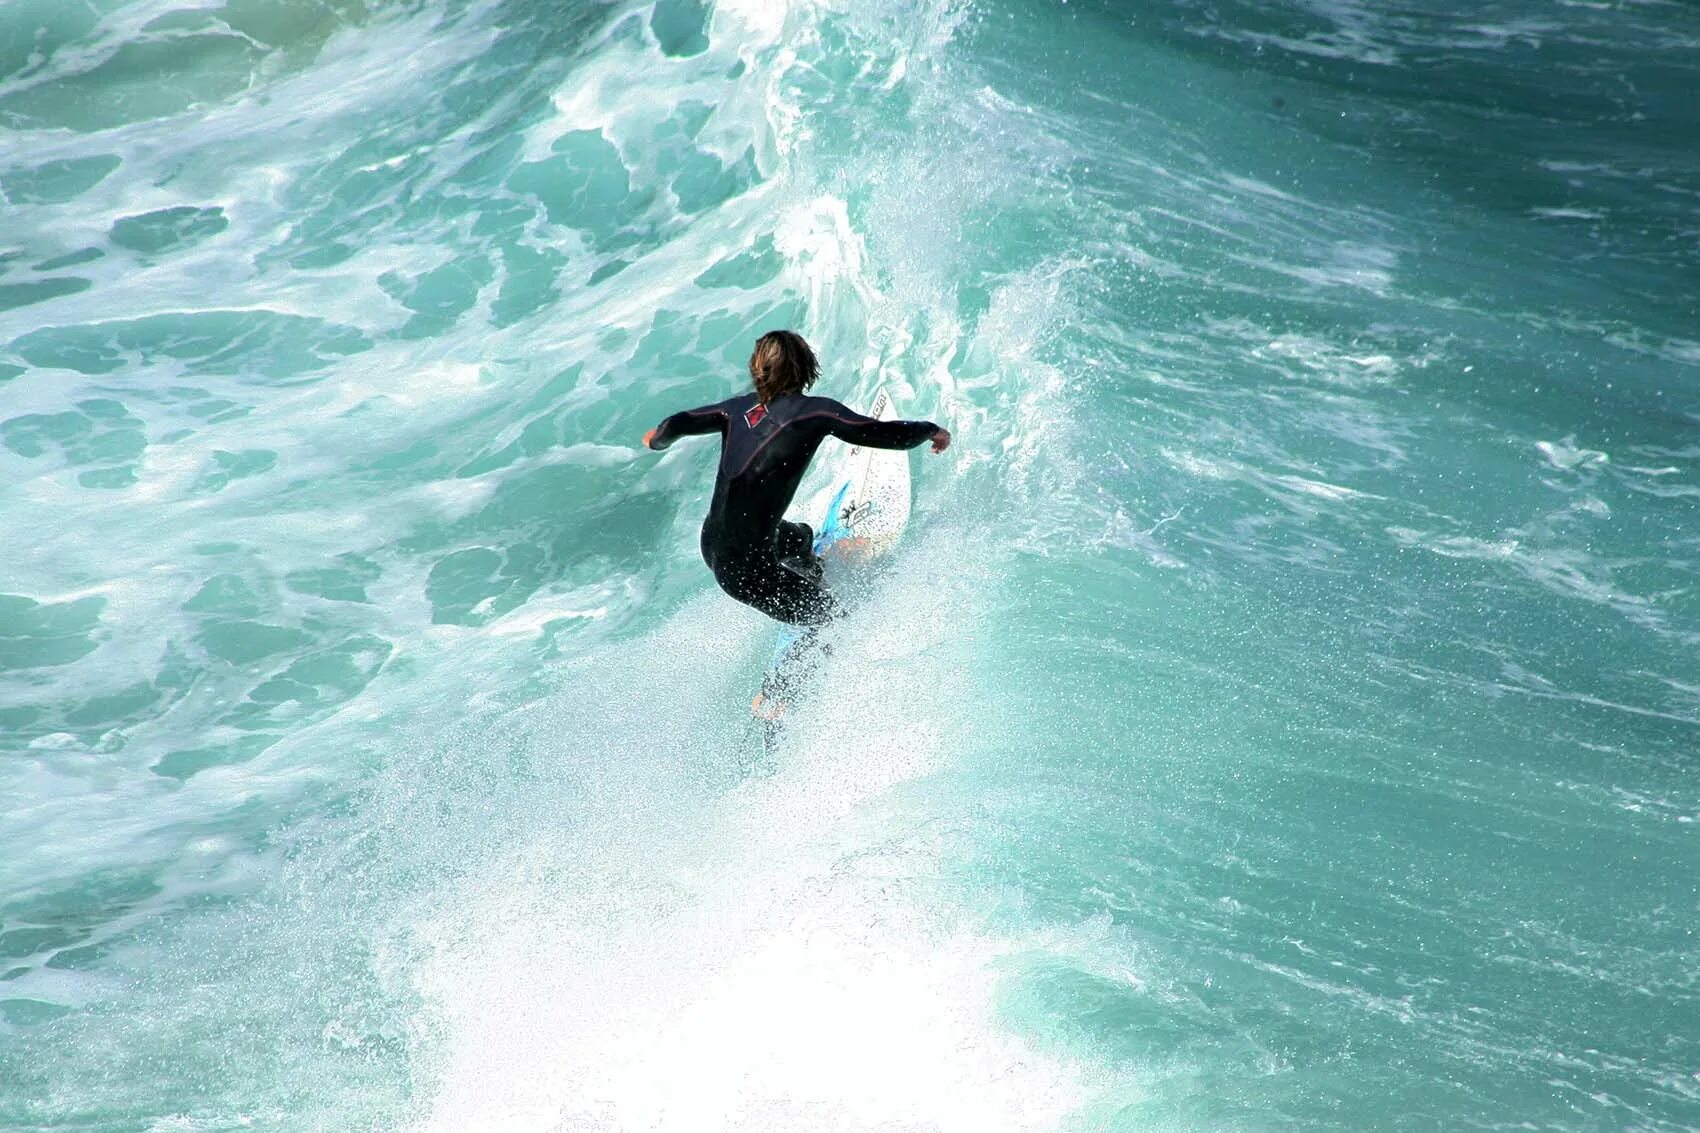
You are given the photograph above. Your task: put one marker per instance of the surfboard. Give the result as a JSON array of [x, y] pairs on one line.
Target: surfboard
[[858, 518]]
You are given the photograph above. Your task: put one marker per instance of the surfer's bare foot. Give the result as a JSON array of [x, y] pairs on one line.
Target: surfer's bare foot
[[941, 440], [809, 567]]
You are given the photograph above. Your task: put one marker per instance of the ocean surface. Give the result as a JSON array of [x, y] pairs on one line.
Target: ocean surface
[[1283, 712]]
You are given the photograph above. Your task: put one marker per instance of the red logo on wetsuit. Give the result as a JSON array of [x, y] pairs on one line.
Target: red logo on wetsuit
[[754, 414]]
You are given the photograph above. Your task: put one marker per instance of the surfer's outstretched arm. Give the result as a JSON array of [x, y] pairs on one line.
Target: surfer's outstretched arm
[[689, 423], [857, 429]]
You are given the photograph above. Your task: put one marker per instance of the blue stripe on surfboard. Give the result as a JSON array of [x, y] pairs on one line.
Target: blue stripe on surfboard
[[832, 529]]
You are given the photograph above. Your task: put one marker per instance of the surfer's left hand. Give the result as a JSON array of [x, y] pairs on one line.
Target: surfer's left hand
[[941, 440]]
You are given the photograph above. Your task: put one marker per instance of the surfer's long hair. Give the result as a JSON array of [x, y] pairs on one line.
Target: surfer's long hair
[[782, 363]]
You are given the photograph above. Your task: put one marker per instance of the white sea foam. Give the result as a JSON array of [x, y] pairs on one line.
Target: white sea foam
[[1567, 456], [772, 957]]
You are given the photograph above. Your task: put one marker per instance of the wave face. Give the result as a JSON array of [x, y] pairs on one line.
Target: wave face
[[1281, 713]]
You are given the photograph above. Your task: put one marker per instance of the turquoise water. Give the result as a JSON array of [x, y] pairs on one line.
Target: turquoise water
[[1282, 713]]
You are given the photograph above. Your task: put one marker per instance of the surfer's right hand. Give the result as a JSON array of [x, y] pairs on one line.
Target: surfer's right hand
[[941, 440]]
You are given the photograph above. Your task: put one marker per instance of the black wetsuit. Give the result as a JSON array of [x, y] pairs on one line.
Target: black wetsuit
[[764, 451]]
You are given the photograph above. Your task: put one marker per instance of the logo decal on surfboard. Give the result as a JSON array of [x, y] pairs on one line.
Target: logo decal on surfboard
[[853, 513]]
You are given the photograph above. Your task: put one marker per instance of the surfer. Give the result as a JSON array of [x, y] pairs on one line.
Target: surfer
[[767, 438]]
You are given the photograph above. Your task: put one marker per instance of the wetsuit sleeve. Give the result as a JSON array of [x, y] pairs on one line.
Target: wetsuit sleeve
[[689, 423], [848, 425]]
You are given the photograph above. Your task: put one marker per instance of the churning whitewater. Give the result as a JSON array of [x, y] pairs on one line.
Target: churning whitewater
[[1280, 713]]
